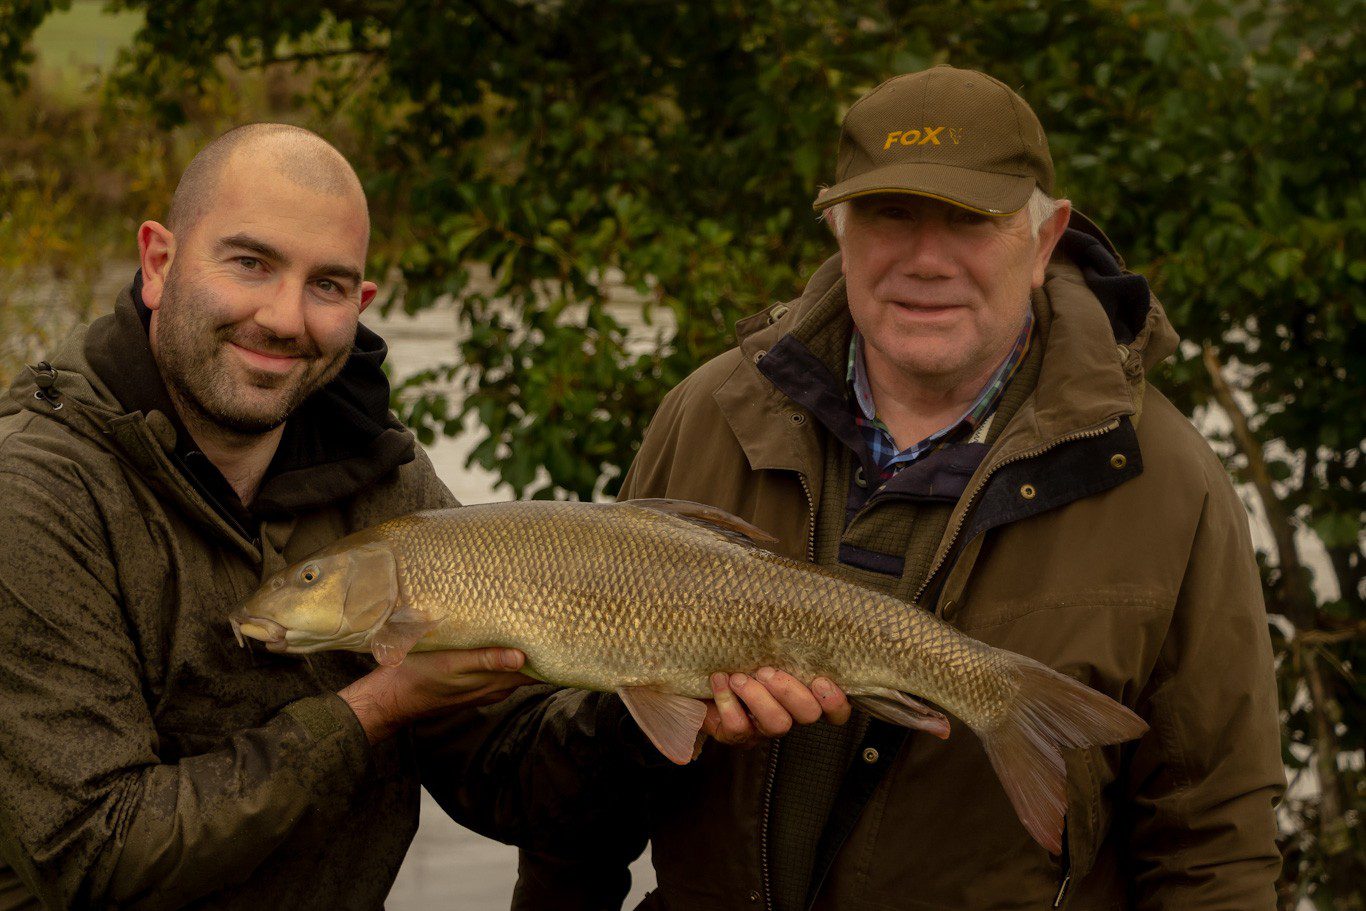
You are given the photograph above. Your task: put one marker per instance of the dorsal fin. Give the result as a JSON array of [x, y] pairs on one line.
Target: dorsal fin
[[708, 517]]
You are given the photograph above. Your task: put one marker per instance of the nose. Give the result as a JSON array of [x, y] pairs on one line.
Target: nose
[[282, 313], [925, 250]]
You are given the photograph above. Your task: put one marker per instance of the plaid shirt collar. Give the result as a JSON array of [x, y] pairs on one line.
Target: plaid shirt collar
[[879, 440]]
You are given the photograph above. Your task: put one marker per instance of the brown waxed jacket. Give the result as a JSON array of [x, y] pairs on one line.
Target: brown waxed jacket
[[1100, 535], [146, 761]]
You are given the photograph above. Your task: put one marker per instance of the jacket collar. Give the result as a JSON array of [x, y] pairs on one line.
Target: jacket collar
[[1101, 329], [339, 441]]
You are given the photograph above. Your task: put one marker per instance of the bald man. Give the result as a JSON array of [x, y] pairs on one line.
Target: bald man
[[228, 418]]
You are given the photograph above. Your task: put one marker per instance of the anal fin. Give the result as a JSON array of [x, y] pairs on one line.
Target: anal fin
[[898, 708], [670, 721]]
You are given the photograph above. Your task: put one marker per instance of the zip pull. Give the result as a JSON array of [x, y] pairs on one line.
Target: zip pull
[[1062, 891], [45, 378]]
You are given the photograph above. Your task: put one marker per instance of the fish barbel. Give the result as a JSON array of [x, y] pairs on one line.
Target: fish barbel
[[647, 598]]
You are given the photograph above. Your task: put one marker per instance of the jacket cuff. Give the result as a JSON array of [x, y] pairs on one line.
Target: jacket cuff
[[332, 726]]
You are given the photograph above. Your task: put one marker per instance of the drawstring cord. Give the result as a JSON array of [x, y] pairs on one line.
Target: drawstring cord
[[45, 378]]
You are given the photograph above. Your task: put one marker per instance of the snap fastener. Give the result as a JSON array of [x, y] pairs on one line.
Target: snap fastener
[[1118, 461], [1028, 492], [754, 895], [777, 313], [797, 418], [870, 755], [759, 355], [859, 478]]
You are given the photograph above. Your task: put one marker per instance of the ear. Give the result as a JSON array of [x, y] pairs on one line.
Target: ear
[[1050, 232], [156, 252], [367, 294]]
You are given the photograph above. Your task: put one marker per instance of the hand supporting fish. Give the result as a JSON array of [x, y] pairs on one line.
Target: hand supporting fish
[[432, 683], [649, 598]]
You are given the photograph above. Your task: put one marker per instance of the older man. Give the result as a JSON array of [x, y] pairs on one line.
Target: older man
[[955, 412], [228, 418]]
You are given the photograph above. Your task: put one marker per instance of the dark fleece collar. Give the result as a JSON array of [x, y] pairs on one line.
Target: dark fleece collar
[[340, 440], [1124, 295]]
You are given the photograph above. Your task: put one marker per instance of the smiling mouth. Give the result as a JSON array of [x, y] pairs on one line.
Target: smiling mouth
[[926, 309], [273, 363]]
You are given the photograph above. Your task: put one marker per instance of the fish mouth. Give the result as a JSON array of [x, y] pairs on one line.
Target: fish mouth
[[260, 629]]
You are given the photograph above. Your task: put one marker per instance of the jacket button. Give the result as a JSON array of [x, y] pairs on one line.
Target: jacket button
[[797, 418], [754, 895], [1028, 492], [1118, 461], [870, 755], [859, 478]]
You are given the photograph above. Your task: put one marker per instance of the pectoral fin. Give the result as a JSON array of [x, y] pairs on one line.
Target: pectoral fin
[[670, 721], [392, 642], [897, 708]]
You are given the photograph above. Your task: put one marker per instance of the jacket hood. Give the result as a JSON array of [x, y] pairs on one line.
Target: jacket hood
[[104, 384]]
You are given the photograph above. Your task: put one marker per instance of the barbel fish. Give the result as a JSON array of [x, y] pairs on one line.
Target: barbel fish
[[647, 598]]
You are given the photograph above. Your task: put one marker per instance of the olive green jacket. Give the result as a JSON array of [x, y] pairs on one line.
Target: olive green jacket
[[1099, 535], [146, 761]]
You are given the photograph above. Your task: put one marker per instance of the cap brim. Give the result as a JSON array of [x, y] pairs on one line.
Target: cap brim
[[980, 191]]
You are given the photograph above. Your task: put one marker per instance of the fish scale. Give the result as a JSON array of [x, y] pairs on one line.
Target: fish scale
[[710, 603], [649, 598]]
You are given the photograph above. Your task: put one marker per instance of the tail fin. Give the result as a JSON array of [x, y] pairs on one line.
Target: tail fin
[[1050, 711]]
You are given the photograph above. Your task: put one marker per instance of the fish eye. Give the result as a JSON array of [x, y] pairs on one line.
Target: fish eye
[[309, 575]]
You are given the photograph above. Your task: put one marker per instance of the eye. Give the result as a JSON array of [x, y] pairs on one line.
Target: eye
[[250, 263], [328, 286], [309, 575]]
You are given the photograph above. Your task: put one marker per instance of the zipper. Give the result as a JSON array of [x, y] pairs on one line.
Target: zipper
[[772, 773], [967, 507], [811, 519], [763, 829]]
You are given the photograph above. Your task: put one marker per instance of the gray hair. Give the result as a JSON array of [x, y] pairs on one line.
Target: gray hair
[[1039, 209]]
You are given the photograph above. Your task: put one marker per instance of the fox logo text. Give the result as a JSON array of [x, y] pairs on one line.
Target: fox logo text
[[921, 137]]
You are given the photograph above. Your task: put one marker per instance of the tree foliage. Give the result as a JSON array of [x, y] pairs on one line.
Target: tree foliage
[[568, 147]]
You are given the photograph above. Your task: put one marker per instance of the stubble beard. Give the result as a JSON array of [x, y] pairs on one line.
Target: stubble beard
[[194, 359]]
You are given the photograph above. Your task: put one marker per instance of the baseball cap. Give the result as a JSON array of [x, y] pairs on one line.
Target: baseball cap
[[950, 134]]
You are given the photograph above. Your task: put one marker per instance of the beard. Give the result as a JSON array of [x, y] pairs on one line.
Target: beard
[[209, 380]]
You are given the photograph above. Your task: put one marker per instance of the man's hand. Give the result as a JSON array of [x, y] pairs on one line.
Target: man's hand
[[746, 710], [428, 683]]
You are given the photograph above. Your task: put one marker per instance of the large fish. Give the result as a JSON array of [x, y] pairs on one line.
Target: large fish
[[647, 598]]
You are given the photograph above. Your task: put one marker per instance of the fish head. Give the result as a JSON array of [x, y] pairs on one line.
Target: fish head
[[335, 599]]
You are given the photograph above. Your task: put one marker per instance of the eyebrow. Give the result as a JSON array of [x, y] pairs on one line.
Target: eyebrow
[[261, 248]]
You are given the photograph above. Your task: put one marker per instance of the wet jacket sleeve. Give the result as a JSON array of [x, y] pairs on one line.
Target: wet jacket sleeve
[[1204, 782], [560, 773], [89, 814]]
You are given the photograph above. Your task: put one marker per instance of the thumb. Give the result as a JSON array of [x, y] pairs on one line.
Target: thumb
[[499, 659]]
